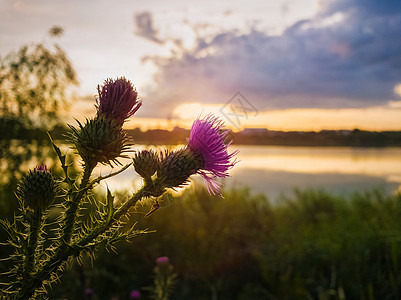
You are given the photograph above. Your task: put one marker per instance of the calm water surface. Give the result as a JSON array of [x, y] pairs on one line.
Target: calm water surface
[[275, 170]]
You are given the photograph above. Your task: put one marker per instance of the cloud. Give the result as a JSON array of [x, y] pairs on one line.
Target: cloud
[[346, 56], [362, 7], [144, 26]]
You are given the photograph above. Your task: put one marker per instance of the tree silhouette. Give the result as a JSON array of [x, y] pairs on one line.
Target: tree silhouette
[[33, 82], [33, 85]]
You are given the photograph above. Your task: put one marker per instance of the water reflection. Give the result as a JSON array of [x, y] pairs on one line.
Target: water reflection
[[276, 170], [319, 160], [340, 170]]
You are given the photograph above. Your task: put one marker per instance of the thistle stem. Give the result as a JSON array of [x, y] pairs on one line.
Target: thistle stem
[[29, 264], [71, 212]]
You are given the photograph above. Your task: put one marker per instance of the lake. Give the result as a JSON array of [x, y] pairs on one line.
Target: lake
[[276, 170]]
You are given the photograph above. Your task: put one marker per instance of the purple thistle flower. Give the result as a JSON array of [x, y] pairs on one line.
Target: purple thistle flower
[[118, 100], [208, 140]]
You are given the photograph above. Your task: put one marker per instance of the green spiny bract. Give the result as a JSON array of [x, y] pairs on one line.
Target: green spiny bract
[[100, 140], [145, 163], [37, 189], [176, 167]]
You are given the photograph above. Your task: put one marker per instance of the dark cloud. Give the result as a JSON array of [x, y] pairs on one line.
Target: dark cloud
[[144, 27], [347, 56], [368, 7]]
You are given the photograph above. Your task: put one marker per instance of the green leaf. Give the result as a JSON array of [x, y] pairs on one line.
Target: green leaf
[[62, 161], [58, 151], [110, 207]]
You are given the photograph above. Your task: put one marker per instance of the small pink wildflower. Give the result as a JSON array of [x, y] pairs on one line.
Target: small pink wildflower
[[162, 260]]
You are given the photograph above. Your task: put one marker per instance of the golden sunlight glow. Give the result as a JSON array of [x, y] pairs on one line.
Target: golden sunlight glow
[[304, 119], [156, 123], [191, 111], [397, 89], [373, 118], [301, 119], [394, 104]]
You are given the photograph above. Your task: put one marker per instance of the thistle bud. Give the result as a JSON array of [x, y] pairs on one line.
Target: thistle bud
[[176, 167], [100, 140], [38, 188], [145, 163]]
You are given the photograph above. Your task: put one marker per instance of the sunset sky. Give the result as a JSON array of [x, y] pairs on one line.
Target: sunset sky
[[284, 65]]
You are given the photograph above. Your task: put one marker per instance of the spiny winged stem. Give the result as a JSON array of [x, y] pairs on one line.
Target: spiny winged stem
[[65, 251], [115, 217], [76, 197], [34, 229]]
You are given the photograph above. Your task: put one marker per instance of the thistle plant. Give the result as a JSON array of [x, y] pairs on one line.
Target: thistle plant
[[164, 279], [42, 245]]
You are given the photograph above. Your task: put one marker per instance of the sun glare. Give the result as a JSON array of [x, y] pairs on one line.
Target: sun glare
[[397, 89], [191, 111]]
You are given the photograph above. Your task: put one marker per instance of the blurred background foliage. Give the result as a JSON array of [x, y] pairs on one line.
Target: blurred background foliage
[[34, 90], [310, 246], [34, 81]]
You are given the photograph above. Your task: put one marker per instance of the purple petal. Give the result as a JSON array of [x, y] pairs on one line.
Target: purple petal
[[208, 139]]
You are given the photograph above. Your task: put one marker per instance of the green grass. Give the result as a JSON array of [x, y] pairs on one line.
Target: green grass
[[310, 246]]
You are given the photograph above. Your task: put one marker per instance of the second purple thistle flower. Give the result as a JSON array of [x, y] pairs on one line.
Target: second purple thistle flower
[[209, 140]]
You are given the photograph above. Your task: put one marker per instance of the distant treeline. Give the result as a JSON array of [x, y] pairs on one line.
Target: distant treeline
[[14, 129], [354, 138]]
